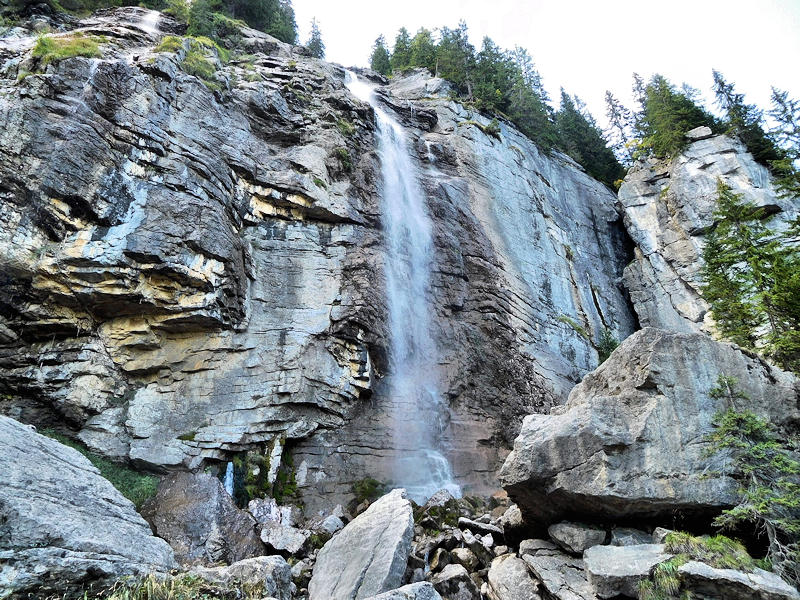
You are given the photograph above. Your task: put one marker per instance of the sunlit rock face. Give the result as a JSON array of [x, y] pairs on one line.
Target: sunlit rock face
[[669, 207], [189, 273]]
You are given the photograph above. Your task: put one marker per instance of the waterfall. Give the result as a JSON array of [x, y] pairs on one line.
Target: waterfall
[[149, 22], [228, 481], [418, 411]]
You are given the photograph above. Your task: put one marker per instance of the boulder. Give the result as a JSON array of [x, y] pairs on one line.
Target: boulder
[[626, 536], [704, 580], [369, 555], [271, 574], [562, 576], [630, 440], [415, 591], [194, 513], [454, 583], [466, 557], [576, 537], [330, 525], [509, 579], [61, 523], [480, 528], [284, 539], [617, 570]]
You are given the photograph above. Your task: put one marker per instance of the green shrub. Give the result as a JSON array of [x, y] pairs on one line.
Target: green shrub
[[606, 345], [49, 49], [180, 587], [579, 329], [178, 9], [170, 43], [343, 156], [345, 127], [136, 487], [368, 489]]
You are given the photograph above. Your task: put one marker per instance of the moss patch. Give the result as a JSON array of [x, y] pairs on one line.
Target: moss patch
[[50, 49], [136, 487]]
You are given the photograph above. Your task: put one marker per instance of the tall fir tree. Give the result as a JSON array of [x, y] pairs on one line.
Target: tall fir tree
[[315, 44], [785, 113], [423, 50], [751, 280], [745, 121], [401, 54], [380, 60], [582, 140], [620, 126]]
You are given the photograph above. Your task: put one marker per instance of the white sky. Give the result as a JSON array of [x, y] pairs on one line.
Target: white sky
[[588, 46]]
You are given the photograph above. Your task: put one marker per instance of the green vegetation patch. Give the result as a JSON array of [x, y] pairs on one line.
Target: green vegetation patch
[[579, 329], [343, 156], [50, 49], [136, 487], [368, 489], [199, 57], [179, 587], [606, 345]]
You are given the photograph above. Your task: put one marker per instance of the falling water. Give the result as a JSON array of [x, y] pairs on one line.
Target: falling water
[[149, 22], [228, 481], [418, 410]]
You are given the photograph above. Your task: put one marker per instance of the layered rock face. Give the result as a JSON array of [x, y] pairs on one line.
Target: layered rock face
[[61, 523], [668, 208], [192, 273], [631, 441]]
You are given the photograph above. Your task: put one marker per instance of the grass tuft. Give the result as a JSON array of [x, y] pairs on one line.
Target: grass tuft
[[49, 49]]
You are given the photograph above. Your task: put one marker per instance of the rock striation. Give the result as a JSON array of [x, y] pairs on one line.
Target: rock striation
[[177, 295], [62, 526], [630, 442]]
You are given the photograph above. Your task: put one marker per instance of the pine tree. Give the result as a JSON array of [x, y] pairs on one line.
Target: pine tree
[[745, 121], [423, 50], [620, 124], [785, 112], [456, 58], [379, 59], [666, 117], [401, 55], [582, 140], [752, 280], [315, 44]]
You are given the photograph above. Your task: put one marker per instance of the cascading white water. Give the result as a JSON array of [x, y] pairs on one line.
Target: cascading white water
[[149, 21], [418, 410], [228, 481]]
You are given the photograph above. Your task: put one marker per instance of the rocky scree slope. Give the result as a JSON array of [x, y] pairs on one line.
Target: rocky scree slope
[[191, 273]]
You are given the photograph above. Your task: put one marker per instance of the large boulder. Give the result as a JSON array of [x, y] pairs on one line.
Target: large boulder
[[576, 537], [369, 555], [617, 570], [61, 523], [415, 591], [630, 441], [562, 576], [706, 581], [194, 513], [509, 579], [454, 583], [271, 575]]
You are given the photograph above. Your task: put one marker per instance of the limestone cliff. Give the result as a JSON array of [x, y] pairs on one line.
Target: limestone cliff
[[191, 272]]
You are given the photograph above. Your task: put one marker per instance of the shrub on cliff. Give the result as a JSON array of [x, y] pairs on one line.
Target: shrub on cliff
[[51, 49]]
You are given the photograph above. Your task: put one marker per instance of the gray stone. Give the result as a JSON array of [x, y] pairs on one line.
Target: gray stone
[[617, 570], [267, 510], [576, 537], [626, 536], [194, 513], [509, 579], [660, 534], [511, 519], [454, 583], [466, 557], [699, 133], [439, 560], [330, 524], [562, 576], [62, 525], [630, 440], [478, 527], [369, 555], [271, 573], [536, 546], [414, 591], [705, 580], [284, 539]]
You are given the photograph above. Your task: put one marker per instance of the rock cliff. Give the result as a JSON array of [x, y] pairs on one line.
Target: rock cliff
[[190, 273]]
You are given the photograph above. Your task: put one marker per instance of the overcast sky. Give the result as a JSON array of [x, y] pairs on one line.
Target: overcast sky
[[588, 46]]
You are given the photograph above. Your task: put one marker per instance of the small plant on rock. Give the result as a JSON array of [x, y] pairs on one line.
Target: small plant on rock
[[51, 49]]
